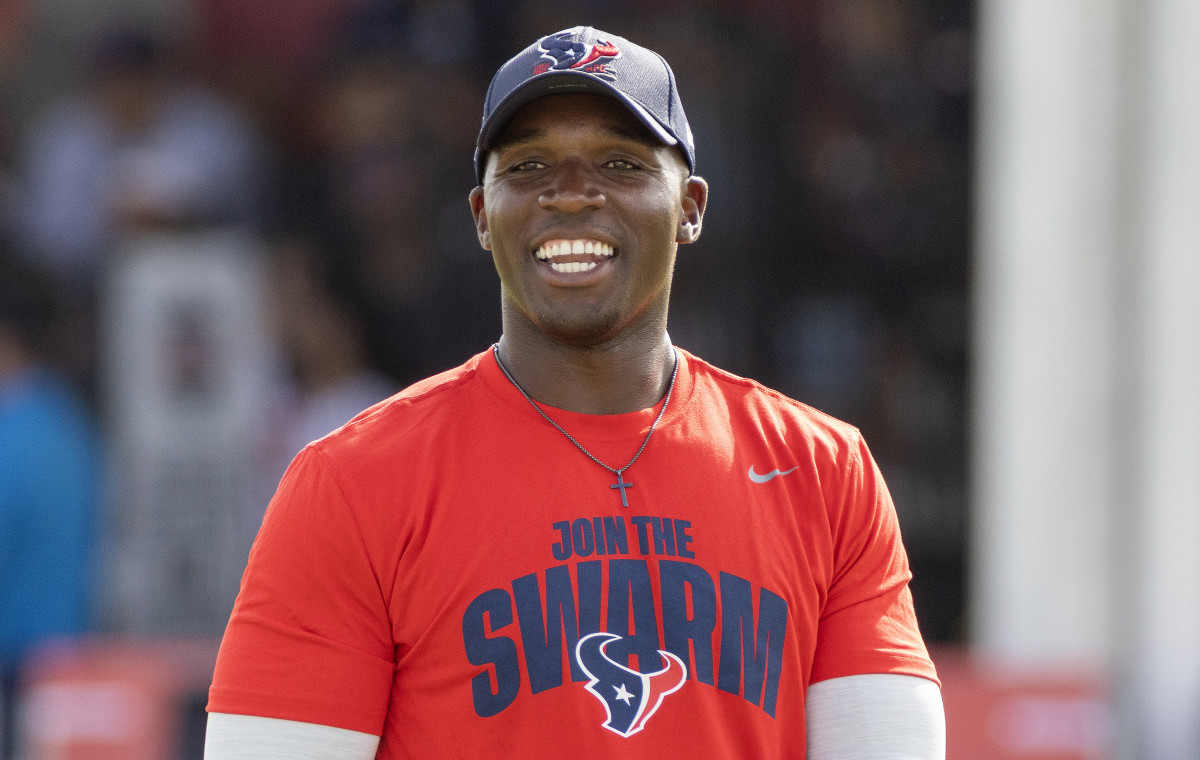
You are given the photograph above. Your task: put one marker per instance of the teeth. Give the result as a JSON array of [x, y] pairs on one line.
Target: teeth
[[567, 247], [573, 267]]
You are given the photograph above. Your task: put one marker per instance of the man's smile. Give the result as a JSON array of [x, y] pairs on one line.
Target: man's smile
[[574, 256]]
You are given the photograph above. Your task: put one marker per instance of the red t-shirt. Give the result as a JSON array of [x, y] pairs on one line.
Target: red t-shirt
[[450, 572]]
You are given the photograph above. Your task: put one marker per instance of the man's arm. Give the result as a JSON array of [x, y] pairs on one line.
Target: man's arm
[[247, 737], [875, 717], [865, 717]]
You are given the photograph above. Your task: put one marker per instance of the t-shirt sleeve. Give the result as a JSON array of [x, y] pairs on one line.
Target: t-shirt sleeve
[[868, 624], [309, 639]]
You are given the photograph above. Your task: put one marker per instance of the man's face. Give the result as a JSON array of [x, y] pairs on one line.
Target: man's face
[[582, 210]]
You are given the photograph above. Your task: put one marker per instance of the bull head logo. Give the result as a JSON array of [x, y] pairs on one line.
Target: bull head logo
[[562, 53], [630, 698]]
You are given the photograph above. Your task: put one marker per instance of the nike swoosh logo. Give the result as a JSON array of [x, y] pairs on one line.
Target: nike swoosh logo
[[764, 478]]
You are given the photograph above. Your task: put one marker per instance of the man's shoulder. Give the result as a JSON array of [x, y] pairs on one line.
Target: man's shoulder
[[412, 411], [746, 397]]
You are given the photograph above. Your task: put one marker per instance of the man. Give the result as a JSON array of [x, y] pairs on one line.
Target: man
[[584, 542], [50, 484]]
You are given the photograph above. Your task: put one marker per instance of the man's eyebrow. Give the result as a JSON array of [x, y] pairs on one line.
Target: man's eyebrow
[[509, 140], [640, 135]]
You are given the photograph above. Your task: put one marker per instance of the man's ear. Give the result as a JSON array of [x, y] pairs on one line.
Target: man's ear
[[694, 199], [481, 222]]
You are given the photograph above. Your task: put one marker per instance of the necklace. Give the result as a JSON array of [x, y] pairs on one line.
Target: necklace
[[621, 483]]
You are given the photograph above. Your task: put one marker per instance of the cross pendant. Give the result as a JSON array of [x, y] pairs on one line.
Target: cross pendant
[[622, 484]]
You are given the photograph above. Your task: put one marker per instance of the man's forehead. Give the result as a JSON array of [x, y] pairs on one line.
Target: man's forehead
[[600, 113]]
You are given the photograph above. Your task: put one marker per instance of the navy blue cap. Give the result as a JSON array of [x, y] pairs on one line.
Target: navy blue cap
[[584, 59]]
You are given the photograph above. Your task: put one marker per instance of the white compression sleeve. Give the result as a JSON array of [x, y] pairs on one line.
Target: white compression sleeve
[[867, 717], [875, 717], [248, 737]]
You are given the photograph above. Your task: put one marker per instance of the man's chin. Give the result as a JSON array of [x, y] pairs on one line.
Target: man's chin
[[582, 332], [574, 325]]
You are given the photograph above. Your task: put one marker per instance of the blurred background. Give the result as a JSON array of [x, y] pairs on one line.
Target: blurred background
[[968, 228]]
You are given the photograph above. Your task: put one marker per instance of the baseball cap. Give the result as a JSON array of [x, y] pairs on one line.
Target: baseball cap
[[583, 59]]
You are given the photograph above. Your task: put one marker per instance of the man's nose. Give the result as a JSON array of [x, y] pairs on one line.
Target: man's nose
[[573, 188]]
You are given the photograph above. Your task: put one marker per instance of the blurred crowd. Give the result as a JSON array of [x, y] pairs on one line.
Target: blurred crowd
[[339, 133]]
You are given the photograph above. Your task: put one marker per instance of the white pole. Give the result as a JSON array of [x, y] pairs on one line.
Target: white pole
[[1164, 669], [1047, 127], [1086, 464]]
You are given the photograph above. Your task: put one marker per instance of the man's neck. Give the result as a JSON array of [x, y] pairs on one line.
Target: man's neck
[[623, 375]]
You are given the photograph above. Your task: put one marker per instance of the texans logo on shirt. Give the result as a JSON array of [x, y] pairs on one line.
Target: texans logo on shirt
[[630, 698], [631, 619], [561, 53]]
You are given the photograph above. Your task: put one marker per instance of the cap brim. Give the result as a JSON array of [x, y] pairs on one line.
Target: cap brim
[[561, 82]]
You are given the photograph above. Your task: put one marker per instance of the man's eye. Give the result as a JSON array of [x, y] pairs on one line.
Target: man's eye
[[525, 166], [620, 163]]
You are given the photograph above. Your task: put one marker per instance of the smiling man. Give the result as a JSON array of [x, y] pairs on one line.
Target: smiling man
[[584, 542]]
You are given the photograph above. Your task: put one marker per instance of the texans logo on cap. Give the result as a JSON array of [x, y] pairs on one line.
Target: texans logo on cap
[[630, 698], [561, 53]]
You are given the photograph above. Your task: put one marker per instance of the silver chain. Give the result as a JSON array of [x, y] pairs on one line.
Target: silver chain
[[578, 445]]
